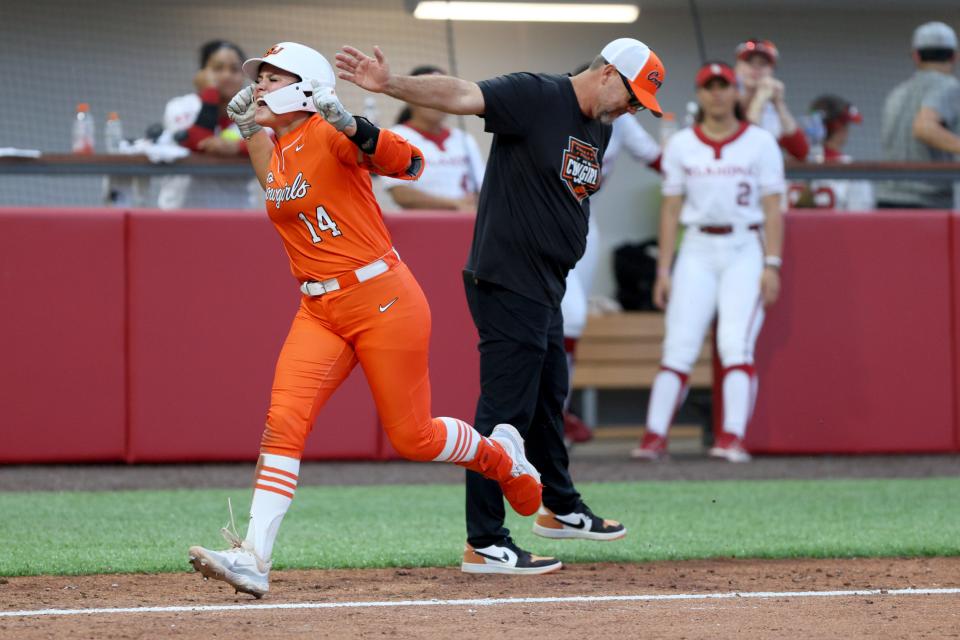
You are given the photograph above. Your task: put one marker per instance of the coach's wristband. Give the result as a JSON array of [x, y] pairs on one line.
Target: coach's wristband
[[773, 261]]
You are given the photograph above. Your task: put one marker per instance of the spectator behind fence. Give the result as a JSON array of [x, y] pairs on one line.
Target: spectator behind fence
[[921, 120], [763, 97], [836, 114], [199, 122], [454, 172]]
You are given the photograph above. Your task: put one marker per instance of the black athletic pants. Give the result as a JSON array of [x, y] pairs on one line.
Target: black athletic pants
[[523, 382]]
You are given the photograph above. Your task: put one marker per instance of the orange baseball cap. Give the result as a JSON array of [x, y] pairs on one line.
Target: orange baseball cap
[[641, 68]]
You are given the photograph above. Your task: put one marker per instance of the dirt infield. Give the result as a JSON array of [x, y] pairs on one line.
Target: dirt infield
[[688, 615], [786, 616]]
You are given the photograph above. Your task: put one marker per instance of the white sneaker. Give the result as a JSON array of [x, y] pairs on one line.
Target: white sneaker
[[583, 524], [506, 558], [730, 448], [238, 566]]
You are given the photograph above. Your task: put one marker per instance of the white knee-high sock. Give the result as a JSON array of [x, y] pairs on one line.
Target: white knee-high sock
[[739, 394], [668, 393], [461, 443], [274, 487]]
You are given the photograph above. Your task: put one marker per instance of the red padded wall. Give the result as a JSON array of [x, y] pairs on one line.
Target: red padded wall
[[435, 247], [62, 339], [857, 356], [211, 300]]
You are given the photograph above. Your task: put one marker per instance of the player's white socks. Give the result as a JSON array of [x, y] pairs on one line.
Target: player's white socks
[[273, 490], [668, 393], [461, 442], [739, 392]]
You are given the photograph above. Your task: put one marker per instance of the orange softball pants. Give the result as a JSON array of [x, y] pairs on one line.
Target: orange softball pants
[[382, 323]]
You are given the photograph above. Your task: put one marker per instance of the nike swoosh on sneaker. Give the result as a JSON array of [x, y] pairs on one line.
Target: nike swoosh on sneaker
[[581, 523], [384, 307], [504, 558]]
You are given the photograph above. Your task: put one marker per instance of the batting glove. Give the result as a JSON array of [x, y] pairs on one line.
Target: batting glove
[[241, 110], [330, 108]]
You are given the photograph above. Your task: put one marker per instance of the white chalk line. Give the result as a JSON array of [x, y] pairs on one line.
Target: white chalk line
[[483, 602]]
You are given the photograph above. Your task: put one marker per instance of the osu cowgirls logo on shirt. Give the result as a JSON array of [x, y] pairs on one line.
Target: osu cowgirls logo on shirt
[[581, 168]]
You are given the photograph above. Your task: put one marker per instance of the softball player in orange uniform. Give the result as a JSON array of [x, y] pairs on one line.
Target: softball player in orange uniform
[[360, 302]]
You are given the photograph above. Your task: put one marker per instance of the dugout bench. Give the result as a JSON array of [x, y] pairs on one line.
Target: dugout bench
[[622, 351]]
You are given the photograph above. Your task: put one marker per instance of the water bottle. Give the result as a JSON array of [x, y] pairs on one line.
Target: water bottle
[[816, 132], [83, 130], [370, 111], [668, 127], [113, 133]]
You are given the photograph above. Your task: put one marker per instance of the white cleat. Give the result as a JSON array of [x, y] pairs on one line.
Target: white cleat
[[511, 440], [239, 566]]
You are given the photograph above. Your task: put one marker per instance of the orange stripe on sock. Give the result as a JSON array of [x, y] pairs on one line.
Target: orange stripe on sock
[[264, 487], [461, 444], [279, 471], [467, 439], [277, 480]]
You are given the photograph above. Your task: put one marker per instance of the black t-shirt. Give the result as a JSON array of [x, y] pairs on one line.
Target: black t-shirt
[[534, 205]]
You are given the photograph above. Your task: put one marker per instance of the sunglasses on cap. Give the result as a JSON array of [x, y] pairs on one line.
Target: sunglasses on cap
[[633, 103]]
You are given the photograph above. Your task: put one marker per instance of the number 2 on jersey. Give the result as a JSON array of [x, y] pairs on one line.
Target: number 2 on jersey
[[743, 194], [324, 223]]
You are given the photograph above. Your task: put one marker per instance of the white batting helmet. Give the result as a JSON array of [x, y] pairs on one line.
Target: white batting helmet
[[299, 60]]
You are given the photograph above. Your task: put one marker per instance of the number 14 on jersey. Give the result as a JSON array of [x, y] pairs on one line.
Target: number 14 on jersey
[[324, 223]]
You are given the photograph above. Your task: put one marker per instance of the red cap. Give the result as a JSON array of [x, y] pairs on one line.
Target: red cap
[[713, 70], [765, 48]]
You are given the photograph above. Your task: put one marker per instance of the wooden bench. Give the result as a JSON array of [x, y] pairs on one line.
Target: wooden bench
[[622, 351]]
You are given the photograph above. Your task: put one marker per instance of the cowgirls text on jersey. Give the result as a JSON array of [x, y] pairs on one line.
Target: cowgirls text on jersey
[[581, 168], [293, 191]]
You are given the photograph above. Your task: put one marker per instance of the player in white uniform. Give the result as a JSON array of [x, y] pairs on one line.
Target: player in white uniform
[[628, 135], [454, 167], [723, 180]]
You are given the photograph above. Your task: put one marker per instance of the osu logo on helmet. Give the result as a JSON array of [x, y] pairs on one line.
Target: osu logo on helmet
[[275, 49], [654, 77]]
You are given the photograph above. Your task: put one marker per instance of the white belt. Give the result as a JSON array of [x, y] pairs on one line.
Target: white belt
[[314, 288]]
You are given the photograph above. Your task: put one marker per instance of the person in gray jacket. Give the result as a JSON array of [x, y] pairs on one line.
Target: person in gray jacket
[[921, 121]]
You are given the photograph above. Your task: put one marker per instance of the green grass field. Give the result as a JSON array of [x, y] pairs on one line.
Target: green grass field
[[328, 527]]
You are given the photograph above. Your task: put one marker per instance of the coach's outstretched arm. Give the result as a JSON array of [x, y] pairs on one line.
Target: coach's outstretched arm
[[445, 93]]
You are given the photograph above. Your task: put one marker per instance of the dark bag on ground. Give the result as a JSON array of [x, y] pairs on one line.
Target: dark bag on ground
[[635, 267]]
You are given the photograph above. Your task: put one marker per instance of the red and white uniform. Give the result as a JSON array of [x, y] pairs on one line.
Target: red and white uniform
[[720, 261], [454, 167], [199, 192]]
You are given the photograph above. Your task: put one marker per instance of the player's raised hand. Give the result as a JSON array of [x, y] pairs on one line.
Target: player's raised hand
[[372, 74], [330, 108], [242, 110]]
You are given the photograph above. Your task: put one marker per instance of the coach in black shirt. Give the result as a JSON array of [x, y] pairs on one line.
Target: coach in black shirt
[[550, 133]]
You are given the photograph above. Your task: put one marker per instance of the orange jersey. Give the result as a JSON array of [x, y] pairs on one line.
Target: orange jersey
[[320, 199]]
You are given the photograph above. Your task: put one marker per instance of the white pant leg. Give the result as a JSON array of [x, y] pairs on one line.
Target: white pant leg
[[739, 307], [587, 267], [741, 315], [573, 306], [692, 304]]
